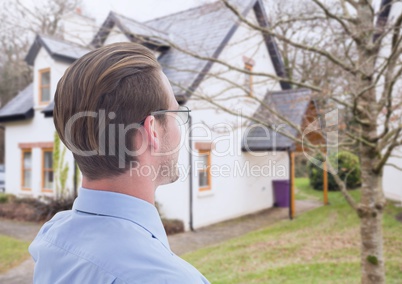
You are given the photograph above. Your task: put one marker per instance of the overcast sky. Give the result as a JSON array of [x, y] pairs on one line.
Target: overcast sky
[[140, 10]]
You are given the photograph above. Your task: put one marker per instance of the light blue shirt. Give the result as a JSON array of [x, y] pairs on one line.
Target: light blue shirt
[[108, 238]]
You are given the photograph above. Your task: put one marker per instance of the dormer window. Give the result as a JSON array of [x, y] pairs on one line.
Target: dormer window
[[248, 79], [44, 86]]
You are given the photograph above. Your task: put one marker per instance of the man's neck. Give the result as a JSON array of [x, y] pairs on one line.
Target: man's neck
[[139, 187]]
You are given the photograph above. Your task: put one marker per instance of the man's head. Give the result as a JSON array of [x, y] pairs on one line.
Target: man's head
[[100, 102]]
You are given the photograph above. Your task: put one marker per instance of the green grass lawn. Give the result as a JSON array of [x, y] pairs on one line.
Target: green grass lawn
[[305, 192], [12, 252], [320, 246]]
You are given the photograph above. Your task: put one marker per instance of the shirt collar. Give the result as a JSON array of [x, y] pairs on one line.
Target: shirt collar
[[122, 206]]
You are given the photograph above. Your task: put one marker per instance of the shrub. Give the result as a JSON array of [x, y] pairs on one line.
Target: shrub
[[173, 226], [3, 198], [348, 170], [7, 197], [32, 209]]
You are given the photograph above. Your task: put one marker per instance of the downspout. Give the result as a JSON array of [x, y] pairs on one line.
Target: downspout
[[290, 183], [190, 171]]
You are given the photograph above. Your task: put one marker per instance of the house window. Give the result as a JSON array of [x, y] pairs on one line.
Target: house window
[[44, 86], [47, 170], [204, 170], [26, 172], [248, 79], [203, 166]]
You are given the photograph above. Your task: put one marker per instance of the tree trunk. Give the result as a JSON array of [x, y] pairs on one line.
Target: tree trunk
[[370, 212], [372, 258]]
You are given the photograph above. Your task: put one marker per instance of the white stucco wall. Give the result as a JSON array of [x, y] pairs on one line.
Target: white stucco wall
[[236, 194], [391, 175], [43, 61], [36, 130], [174, 199], [392, 178], [115, 35], [232, 194]]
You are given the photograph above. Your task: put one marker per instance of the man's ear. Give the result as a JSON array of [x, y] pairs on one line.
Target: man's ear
[[152, 134]]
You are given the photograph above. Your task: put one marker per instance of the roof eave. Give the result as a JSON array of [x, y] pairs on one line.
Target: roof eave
[[33, 51], [47, 113], [272, 46], [18, 117]]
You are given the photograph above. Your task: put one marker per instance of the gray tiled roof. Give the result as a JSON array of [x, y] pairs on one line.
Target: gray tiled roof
[[20, 107], [57, 48], [134, 27], [292, 105], [201, 30], [134, 31], [204, 30]]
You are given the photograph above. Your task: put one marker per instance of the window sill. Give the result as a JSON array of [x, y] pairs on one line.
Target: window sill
[[41, 106], [205, 193]]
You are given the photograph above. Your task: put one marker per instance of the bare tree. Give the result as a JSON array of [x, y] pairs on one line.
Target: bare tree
[[19, 25], [348, 54], [363, 52]]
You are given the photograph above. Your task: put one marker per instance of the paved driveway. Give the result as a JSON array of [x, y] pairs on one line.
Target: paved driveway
[[180, 243]]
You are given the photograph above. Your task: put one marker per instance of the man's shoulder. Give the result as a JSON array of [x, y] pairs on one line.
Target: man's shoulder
[[121, 265], [86, 234], [107, 247]]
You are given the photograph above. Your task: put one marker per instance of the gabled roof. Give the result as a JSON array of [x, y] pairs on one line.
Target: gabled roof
[[132, 29], [204, 30], [20, 107], [292, 105], [58, 49]]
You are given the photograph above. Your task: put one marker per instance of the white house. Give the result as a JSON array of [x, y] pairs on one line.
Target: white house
[[392, 170], [220, 177]]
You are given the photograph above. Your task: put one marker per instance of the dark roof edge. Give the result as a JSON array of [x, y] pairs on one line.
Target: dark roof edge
[[48, 113], [10, 118], [111, 21], [382, 19], [272, 46], [216, 54], [104, 31], [34, 50], [142, 23]]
